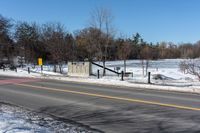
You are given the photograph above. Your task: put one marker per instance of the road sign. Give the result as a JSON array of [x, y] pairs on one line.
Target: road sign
[[40, 61]]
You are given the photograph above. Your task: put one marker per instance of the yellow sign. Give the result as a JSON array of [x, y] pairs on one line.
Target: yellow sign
[[40, 61]]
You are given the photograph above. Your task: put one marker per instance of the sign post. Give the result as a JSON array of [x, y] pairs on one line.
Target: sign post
[[40, 63]]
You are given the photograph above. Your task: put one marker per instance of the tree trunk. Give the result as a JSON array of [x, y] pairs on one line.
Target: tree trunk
[[104, 66], [147, 66], [143, 68], [54, 68], [124, 65], [60, 68]]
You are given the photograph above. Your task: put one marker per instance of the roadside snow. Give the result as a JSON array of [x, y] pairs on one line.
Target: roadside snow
[[18, 120]]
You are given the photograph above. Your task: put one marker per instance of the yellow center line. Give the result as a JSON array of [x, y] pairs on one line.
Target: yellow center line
[[111, 97]]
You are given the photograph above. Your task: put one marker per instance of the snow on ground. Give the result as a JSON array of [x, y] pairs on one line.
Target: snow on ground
[[18, 120], [34, 72], [168, 70]]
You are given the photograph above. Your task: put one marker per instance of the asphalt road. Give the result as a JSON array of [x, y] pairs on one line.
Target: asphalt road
[[105, 108]]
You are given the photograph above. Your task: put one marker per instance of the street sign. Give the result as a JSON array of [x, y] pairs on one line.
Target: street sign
[[40, 61]]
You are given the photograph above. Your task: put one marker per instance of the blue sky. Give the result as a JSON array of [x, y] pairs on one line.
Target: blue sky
[[156, 20]]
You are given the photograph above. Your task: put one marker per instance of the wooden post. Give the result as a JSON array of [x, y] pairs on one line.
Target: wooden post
[[41, 68], [149, 77], [98, 73], [122, 74], [28, 70]]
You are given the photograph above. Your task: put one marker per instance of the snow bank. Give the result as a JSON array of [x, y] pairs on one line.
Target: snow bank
[[18, 120]]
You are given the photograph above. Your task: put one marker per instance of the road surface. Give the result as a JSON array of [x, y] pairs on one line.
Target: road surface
[[106, 108]]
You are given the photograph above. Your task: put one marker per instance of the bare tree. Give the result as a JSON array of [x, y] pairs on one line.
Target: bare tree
[[191, 66], [146, 55], [86, 40], [27, 36], [56, 40], [123, 50], [6, 43], [101, 18]]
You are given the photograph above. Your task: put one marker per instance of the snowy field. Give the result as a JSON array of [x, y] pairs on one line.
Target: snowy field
[[18, 120], [168, 69]]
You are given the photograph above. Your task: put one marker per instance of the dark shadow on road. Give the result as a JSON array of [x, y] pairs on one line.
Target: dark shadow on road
[[137, 118]]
